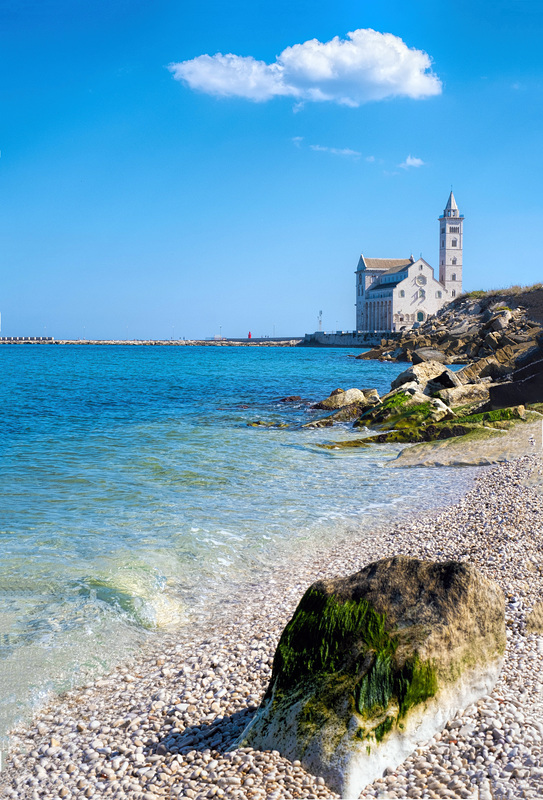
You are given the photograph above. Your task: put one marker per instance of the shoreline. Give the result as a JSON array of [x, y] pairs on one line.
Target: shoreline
[[257, 342], [160, 725]]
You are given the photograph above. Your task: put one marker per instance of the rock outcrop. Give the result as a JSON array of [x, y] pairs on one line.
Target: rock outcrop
[[340, 398], [470, 328], [374, 664], [430, 374], [525, 386]]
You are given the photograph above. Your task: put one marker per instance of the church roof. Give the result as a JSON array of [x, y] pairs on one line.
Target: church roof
[[451, 203], [387, 264], [381, 287]]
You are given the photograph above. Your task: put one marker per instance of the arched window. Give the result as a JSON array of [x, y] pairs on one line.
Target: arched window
[[453, 293], [454, 243], [420, 316], [438, 295], [402, 293], [454, 260], [453, 276]]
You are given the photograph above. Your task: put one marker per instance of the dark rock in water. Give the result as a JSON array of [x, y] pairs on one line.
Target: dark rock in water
[[292, 398], [345, 414], [374, 664]]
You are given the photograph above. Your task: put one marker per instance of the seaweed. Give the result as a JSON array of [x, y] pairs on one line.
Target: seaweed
[[330, 647], [498, 415], [314, 639]]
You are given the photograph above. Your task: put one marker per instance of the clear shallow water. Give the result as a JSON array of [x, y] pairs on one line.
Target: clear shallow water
[[134, 493]]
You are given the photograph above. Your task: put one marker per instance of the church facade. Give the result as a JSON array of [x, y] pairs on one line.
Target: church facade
[[394, 294]]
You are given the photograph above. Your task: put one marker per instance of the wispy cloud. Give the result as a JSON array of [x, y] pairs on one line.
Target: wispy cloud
[[336, 151], [297, 140], [366, 65], [412, 161]]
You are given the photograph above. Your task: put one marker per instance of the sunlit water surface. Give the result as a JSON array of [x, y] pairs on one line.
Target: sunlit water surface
[[136, 494]]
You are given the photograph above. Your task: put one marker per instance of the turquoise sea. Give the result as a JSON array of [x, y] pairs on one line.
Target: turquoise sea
[[135, 493]]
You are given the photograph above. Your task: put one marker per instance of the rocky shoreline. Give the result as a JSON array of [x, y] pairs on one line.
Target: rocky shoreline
[[164, 725]]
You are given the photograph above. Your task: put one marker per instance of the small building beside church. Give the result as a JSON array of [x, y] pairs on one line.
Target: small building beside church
[[394, 294]]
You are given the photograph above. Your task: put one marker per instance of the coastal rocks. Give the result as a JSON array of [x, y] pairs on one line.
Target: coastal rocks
[[345, 414], [472, 326], [349, 405], [373, 664], [440, 411], [340, 398], [526, 387], [371, 397], [501, 320], [392, 405], [476, 393], [488, 367], [423, 354], [427, 372]]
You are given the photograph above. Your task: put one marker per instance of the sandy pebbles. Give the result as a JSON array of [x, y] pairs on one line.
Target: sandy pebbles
[[163, 725]]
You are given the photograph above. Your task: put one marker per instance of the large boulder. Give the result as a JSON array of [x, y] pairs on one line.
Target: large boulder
[[425, 373], [501, 321], [422, 354], [372, 665], [488, 367], [469, 394], [340, 398], [393, 405], [526, 387]]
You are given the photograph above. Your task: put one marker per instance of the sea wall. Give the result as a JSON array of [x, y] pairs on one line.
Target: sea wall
[[348, 339]]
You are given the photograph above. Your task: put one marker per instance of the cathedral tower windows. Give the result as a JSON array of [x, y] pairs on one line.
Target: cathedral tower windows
[[450, 247]]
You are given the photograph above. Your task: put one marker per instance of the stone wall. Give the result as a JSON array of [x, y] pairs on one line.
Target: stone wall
[[347, 339]]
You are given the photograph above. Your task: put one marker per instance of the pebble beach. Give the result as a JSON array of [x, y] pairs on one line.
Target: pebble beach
[[166, 724]]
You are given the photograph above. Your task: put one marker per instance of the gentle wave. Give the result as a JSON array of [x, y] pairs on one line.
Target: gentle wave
[[136, 493]]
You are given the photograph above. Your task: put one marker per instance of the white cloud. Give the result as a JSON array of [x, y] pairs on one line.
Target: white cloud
[[365, 66], [412, 161], [335, 151], [297, 140]]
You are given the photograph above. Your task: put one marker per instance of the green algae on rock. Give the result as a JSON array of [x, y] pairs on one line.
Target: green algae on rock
[[373, 664]]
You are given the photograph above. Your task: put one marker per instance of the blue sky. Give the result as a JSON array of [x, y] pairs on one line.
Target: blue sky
[[144, 199]]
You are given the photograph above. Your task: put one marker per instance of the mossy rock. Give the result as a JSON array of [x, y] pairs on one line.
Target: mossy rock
[[372, 664], [411, 417], [387, 408], [424, 433], [345, 444], [498, 415]]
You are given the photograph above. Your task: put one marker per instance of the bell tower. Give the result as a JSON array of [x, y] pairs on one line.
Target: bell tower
[[451, 242]]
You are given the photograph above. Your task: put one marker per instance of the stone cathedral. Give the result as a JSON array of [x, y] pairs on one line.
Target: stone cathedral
[[394, 294]]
